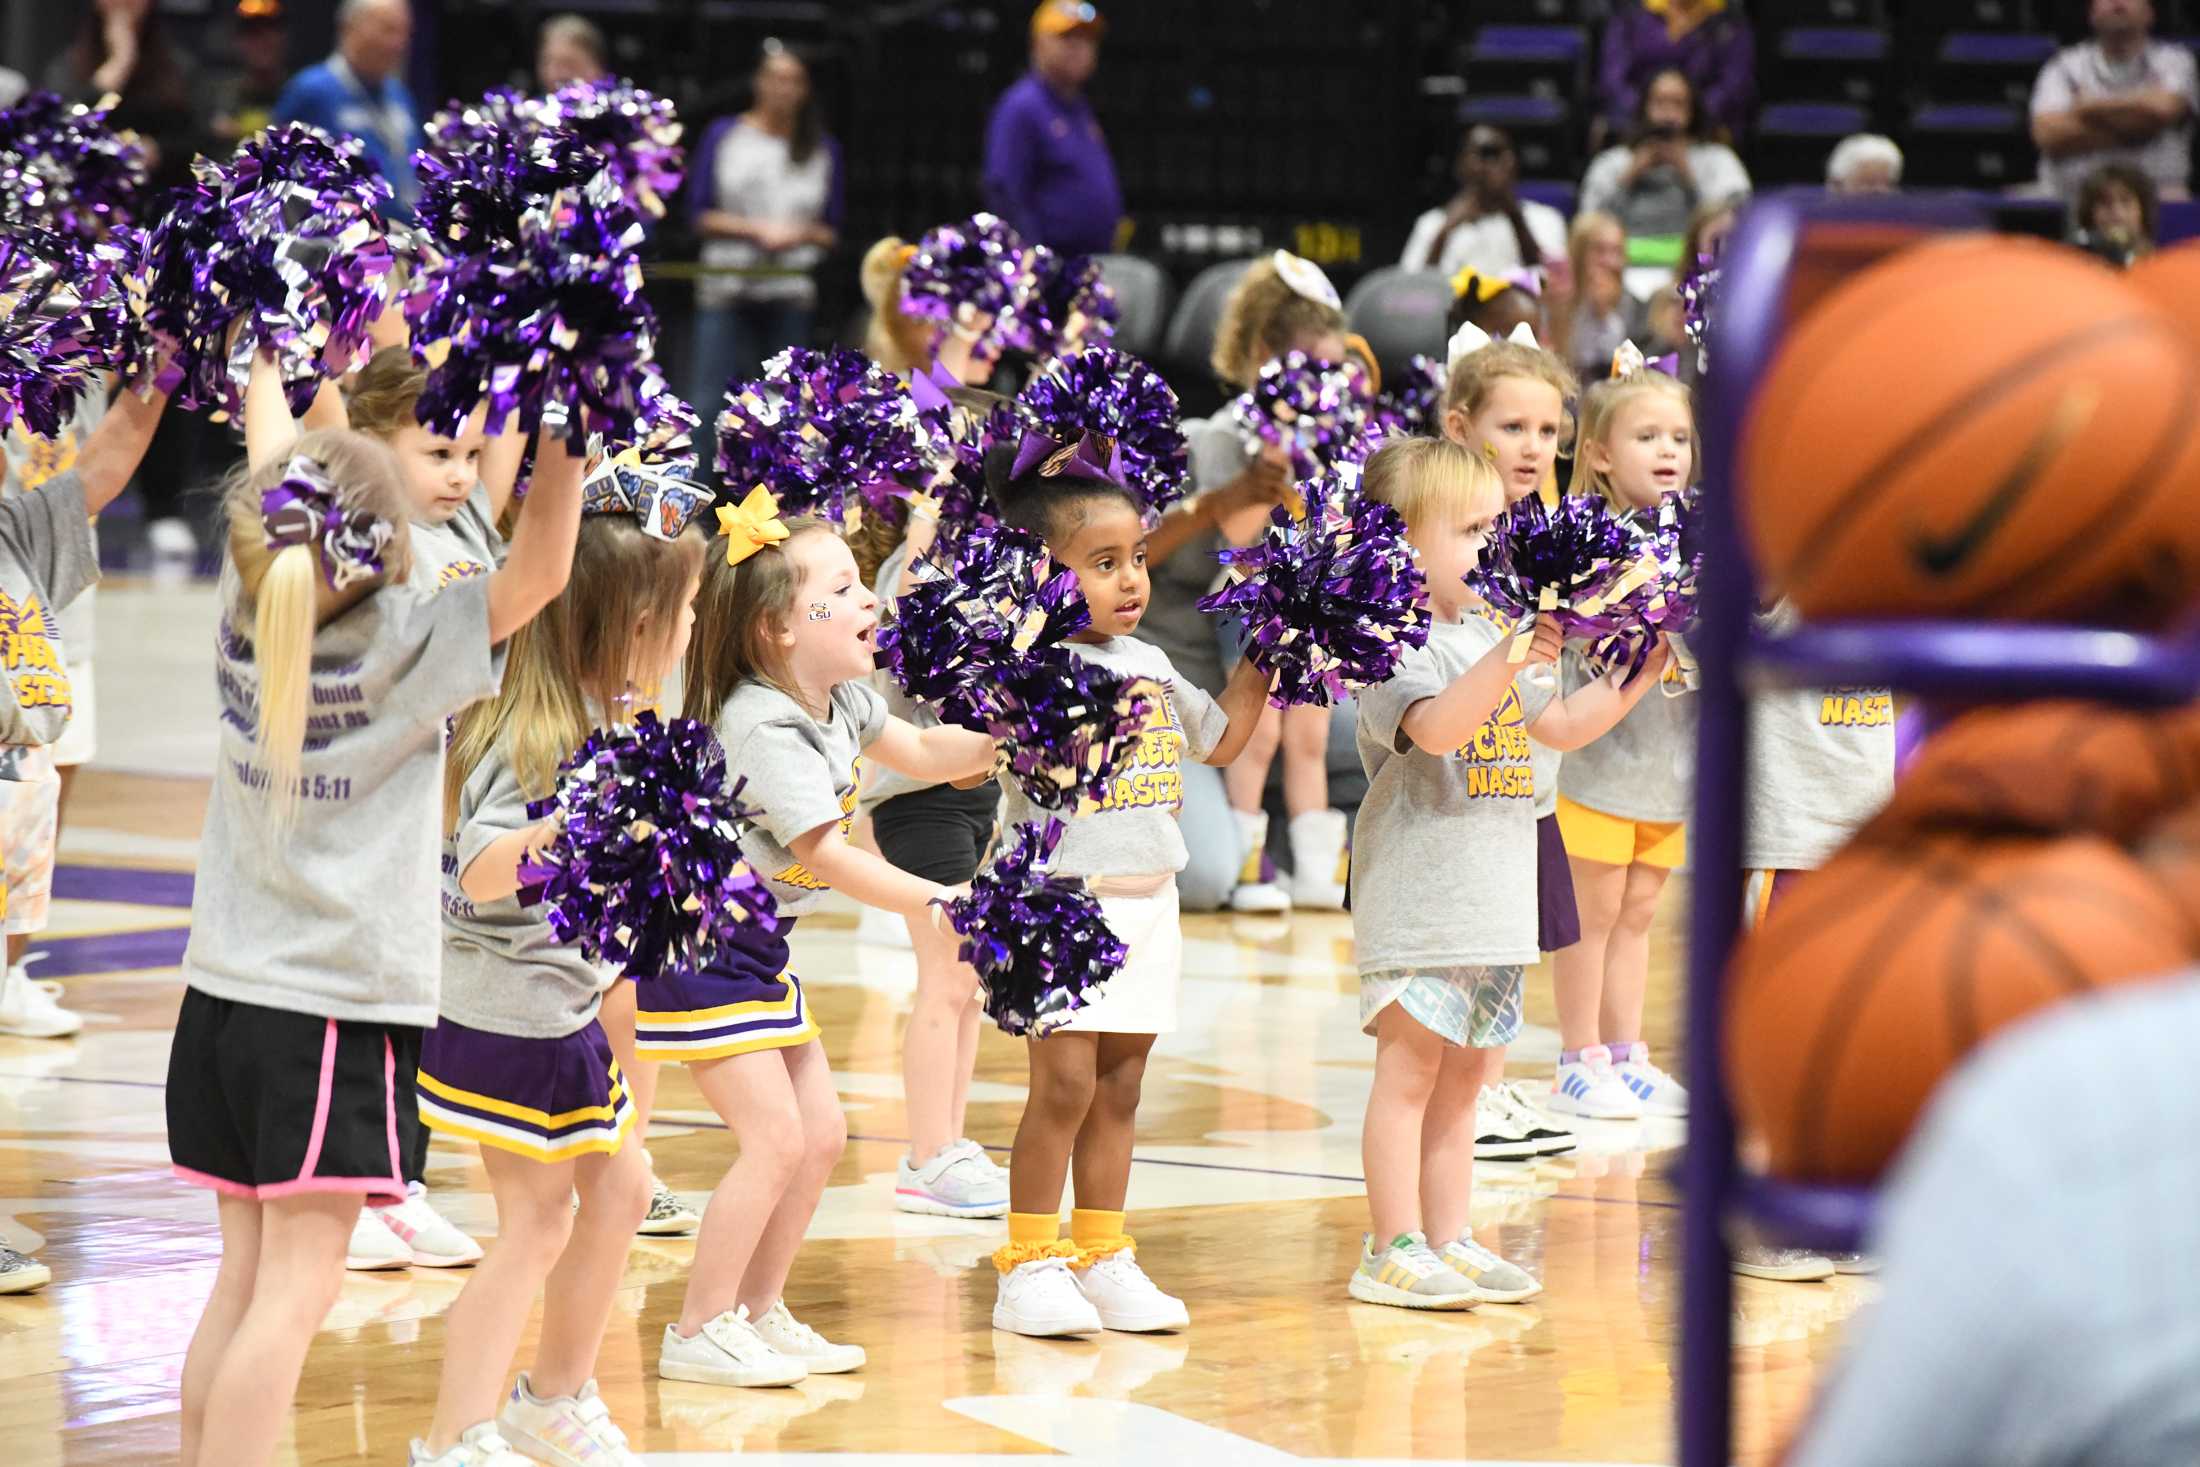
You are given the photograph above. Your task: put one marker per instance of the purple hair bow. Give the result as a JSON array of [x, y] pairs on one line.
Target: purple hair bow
[[930, 387], [302, 510], [1091, 456]]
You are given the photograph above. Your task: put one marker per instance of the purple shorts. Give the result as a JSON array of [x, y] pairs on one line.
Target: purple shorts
[[1557, 919]]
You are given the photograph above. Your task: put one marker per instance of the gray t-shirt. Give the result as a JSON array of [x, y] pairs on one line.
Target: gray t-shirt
[[2084, 73], [1821, 763], [32, 462], [1135, 832], [1443, 851], [1644, 767], [467, 544], [503, 970], [801, 774], [1173, 621], [47, 559], [336, 916], [884, 784]]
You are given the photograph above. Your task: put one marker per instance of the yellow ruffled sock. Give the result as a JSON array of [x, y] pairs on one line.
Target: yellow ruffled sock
[[1032, 1235], [1096, 1234]]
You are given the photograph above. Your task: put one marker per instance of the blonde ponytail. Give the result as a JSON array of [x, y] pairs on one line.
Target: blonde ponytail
[[285, 610]]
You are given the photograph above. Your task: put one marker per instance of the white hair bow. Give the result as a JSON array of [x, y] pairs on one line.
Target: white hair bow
[[1470, 338], [1307, 279]]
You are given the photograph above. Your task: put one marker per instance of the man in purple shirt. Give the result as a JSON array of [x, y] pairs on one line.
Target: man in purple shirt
[[1047, 168]]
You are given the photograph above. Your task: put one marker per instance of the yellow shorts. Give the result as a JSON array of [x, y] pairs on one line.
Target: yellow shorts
[[1592, 835]]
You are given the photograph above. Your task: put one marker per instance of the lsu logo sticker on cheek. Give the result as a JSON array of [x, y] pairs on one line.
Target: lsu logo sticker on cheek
[[819, 611]]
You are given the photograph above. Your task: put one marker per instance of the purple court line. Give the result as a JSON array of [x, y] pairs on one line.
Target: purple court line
[[132, 884], [1208, 1166], [110, 952]]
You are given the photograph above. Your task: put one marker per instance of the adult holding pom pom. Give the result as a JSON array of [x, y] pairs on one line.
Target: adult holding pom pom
[[1063, 483], [568, 858], [780, 667]]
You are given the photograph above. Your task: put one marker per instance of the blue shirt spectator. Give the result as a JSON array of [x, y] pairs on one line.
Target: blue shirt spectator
[[356, 93], [1047, 167]]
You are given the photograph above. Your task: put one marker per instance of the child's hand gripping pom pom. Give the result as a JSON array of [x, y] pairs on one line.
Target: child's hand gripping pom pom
[[1067, 728], [1576, 563]]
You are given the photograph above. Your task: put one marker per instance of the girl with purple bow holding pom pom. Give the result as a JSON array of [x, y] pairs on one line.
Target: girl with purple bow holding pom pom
[[1447, 743], [519, 1062], [780, 664], [313, 963]]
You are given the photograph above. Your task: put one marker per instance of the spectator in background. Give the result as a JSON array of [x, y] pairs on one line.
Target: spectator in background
[[2118, 98], [764, 194], [1668, 170], [1703, 40], [121, 46], [245, 93], [1865, 163], [1604, 314], [13, 84], [2117, 214], [571, 49], [1487, 226], [1047, 166], [359, 93]]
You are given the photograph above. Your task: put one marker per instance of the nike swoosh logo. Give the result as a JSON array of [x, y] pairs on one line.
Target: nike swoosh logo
[[1941, 555]]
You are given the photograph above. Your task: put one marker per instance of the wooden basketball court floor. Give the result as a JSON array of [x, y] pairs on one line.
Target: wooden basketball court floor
[[1246, 1197]]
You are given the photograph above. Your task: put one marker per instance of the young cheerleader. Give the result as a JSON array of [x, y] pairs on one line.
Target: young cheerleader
[[1282, 304], [1449, 808], [780, 662], [1505, 401], [1085, 1076], [1624, 801], [313, 961], [518, 1062]]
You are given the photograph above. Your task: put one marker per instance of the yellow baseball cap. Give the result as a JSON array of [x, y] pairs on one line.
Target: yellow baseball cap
[[1062, 17]]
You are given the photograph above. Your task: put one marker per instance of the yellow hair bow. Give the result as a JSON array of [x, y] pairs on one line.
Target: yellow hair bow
[[1484, 288], [750, 525]]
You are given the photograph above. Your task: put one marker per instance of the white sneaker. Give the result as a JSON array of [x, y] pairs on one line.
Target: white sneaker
[[1495, 1280], [1659, 1093], [797, 1341], [1318, 863], [1041, 1298], [956, 1182], [881, 929], [668, 1216], [433, 1241], [1125, 1299], [1497, 1136], [479, 1447], [1589, 1087], [727, 1351], [1781, 1265], [1257, 889], [20, 1273], [985, 1159], [30, 1009], [1533, 1121], [564, 1431], [373, 1246]]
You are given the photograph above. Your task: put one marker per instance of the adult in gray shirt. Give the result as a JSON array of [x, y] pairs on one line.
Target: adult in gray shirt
[[2121, 97]]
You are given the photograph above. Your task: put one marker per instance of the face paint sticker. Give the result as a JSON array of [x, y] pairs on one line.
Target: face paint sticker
[[819, 611]]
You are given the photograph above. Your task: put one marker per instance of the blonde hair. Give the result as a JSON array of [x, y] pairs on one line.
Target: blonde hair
[[738, 612], [1425, 479], [1261, 319], [282, 588], [1599, 406], [386, 393], [896, 340], [1578, 238], [564, 669], [1475, 376]]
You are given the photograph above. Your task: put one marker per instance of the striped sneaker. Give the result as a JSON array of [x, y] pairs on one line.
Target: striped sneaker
[[564, 1431], [1493, 1280], [1407, 1275], [20, 1273], [1659, 1093], [1588, 1087]]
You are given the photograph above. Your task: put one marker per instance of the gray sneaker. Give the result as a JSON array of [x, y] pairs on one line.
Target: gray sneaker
[[668, 1216], [955, 1182], [1782, 1265], [1494, 1280], [1407, 1275], [20, 1273]]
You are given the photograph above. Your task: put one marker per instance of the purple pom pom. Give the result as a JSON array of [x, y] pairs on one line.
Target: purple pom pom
[[1067, 727], [473, 199], [977, 277], [63, 319], [1004, 600], [818, 426], [1330, 602], [1310, 409], [283, 237], [62, 167], [1076, 305], [646, 867], [1666, 603], [1699, 299], [461, 126], [1415, 404], [637, 131], [1578, 563], [1039, 942], [1113, 397]]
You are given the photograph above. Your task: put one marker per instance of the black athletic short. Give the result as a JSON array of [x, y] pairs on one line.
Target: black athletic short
[[267, 1103], [939, 833]]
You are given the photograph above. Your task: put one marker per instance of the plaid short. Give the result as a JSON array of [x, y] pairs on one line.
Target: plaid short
[[30, 803], [1470, 1005]]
